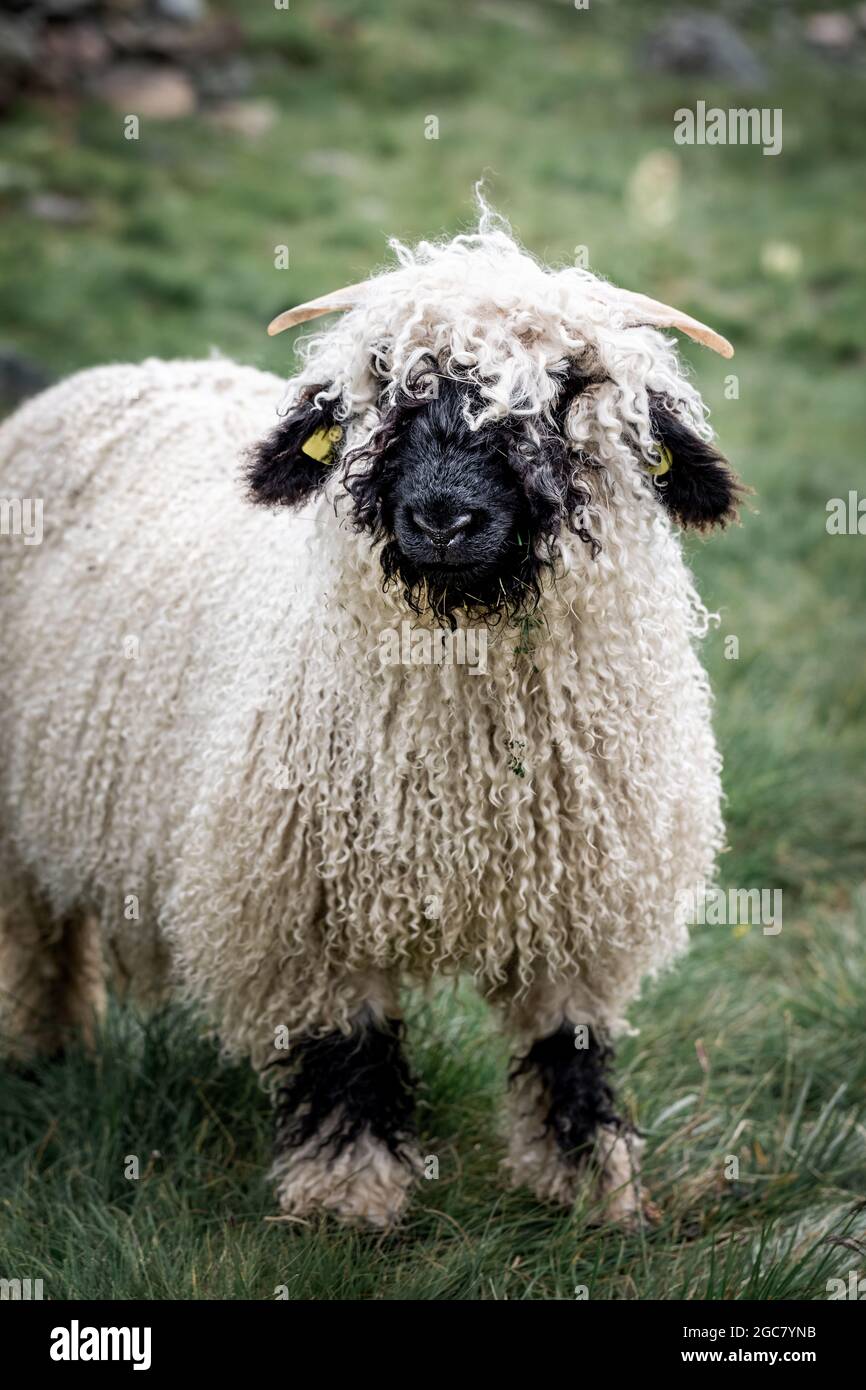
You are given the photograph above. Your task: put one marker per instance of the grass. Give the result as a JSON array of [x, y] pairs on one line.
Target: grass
[[753, 1048], [734, 1060]]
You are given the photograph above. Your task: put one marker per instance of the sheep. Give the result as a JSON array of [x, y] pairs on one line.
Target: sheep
[[211, 775]]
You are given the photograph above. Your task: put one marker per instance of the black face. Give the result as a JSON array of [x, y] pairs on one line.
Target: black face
[[452, 505], [471, 519]]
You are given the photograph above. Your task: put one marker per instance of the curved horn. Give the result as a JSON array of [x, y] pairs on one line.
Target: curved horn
[[646, 310], [337, 302], [660, 315]]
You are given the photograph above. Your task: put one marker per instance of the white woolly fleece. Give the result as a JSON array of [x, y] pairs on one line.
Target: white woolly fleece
[[193, 710]]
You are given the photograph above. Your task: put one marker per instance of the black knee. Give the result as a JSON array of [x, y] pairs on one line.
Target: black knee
[[341, 1085], [578, 1095]]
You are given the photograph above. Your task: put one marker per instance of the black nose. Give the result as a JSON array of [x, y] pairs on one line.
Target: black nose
[[440, 525]]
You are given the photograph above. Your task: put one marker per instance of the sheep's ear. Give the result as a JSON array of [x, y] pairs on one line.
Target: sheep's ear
[[694, 481], [285, 469]]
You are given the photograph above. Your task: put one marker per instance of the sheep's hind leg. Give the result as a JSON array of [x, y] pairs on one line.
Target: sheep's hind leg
[[565, 1135], [344, 1131], [52, 980]]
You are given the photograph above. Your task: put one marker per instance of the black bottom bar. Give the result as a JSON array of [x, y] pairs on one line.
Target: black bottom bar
[[66, 1339]]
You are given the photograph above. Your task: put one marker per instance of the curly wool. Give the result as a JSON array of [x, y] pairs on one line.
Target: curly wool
[[489, 313], [284, 807]]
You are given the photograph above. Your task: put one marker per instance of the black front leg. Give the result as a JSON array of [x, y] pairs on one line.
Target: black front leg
[[564, 1124], [573, 1079], [345, 1124]]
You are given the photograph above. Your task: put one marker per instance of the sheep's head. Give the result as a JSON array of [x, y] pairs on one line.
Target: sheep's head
[[469, 412]]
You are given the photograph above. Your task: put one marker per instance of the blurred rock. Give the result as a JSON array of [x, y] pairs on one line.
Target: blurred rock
[[705, 45], [71, 47], [18, 40], [831, 29], [70, 53], [20, 377], [157, 93], [223, 79], [252, 119], [63, 9], [182, 11], [136, 35], [56, 207], [19, 50]]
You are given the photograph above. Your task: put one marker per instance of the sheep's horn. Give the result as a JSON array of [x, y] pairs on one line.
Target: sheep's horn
[[646, 310], [337, 302], [660, 315]]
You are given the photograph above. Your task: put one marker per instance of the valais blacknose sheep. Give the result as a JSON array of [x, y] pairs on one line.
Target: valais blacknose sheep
[[308, 695]]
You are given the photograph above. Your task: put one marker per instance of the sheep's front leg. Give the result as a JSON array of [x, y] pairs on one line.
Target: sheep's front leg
[[564, 1127], [344, 1124]]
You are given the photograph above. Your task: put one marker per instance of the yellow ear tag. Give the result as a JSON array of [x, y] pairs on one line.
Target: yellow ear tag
[[320, 444], [660, 468]]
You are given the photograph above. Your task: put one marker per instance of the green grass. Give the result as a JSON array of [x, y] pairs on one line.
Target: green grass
[[751, 1052], [753, 1047]]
